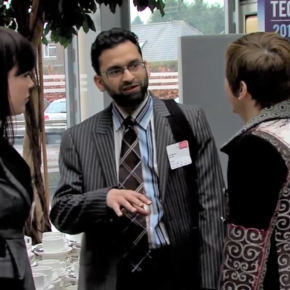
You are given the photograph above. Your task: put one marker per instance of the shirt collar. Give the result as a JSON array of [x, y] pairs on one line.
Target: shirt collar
[[142, 115]]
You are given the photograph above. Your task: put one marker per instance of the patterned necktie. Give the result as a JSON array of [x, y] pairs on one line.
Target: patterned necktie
[[134, 229]]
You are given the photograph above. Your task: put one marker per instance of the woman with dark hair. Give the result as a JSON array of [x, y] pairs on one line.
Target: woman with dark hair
[[257, 246], [17, 60]]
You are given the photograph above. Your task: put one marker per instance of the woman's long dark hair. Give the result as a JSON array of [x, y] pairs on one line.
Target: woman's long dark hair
[[15, 51]]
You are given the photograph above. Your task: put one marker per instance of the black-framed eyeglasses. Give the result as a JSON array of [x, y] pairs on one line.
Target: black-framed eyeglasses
[[132, 68]]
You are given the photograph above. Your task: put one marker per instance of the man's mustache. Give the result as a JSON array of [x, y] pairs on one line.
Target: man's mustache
[[128, 85]]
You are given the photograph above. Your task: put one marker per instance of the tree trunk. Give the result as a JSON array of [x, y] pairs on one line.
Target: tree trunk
[[39, 218]]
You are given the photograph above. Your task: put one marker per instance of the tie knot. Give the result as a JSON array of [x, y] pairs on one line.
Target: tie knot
[[129, 122]]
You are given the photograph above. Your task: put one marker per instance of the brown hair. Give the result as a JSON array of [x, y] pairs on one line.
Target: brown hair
[[262, 61], [15, 51]]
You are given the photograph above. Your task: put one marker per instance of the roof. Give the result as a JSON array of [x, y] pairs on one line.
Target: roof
[[159, 41]]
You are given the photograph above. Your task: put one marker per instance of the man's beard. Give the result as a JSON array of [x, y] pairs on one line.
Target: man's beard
[[129, 100]]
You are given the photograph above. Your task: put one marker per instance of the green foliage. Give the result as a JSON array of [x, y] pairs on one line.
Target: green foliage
[[7, 17], [63, 18], [207, 18]]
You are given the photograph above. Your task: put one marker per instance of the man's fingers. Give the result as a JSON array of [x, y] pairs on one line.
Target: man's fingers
[[144, 198], [131, 201], [140, 196], [117, 209], [142, 211], [135, 201], [127, 205]]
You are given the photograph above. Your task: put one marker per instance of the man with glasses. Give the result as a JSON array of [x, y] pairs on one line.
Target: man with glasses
[[117, 185]]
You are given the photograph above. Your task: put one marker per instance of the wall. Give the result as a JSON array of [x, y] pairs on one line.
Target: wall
[[201, 82]]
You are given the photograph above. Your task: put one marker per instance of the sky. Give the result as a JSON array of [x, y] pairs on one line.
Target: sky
[[144, 15]]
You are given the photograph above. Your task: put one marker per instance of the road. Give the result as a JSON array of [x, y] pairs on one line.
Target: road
[[52, 152]]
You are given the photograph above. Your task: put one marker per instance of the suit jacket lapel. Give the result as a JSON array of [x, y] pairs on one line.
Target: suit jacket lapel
[[16, 184], [103, 135], [105, 146], [163, 138]]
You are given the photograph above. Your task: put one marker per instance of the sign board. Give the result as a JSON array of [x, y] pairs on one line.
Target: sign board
[[274, 16]]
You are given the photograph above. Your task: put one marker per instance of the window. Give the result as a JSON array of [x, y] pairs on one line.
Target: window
[[49, 51], [142, 43], [56, 107], [159, 37], [251, 24]]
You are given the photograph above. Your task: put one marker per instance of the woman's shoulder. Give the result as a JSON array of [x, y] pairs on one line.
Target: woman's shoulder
[[253, 147], [251, 140]]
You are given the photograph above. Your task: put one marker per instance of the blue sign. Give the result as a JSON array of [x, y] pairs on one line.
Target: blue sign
[[274, 16]]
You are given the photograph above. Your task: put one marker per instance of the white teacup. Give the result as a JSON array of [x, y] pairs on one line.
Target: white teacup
[[52, 274], [52, 234], [28, 242], [53, 244], [40, 281], [76, 269], [53, 263], [58, 235]]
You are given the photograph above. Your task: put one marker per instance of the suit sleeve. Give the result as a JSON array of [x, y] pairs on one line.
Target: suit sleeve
[[210, 190], [73, 211]]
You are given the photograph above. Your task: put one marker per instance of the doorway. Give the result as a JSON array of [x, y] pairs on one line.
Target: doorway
[[248, 18]]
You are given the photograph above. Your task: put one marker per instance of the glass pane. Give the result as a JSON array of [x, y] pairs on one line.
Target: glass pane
[[56, 107], [158, 37], [251, 24], [52, 50], [54, 89]]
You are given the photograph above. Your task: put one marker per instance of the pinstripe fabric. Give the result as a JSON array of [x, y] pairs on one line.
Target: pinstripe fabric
[[210, 188], [88, 170]]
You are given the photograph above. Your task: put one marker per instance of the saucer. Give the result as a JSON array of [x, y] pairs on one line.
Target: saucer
[[74, 243], [77, 249], [40, 252], [71, 277], [49, 287]]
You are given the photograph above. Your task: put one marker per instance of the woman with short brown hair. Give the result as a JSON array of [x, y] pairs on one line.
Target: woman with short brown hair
[[257, 246]]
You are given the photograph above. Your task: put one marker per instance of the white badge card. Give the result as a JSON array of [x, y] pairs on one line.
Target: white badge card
[[178, 154]]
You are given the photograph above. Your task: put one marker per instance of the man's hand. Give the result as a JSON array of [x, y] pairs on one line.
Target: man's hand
[[132, 201]]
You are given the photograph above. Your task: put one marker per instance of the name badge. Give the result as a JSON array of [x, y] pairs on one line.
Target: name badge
[[178, 154]]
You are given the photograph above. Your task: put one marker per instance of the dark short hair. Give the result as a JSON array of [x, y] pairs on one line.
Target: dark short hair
[[110, 39], [15, 51], [262, 61]]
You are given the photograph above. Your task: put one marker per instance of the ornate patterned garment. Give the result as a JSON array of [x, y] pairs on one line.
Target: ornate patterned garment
[[246, 249]]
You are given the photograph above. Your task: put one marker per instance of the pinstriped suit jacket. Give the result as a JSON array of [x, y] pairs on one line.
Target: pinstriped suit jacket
[[88, 170]]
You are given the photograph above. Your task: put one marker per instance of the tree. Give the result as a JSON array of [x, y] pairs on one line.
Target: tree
[[137, 20], [209, 19], [34, 19]]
